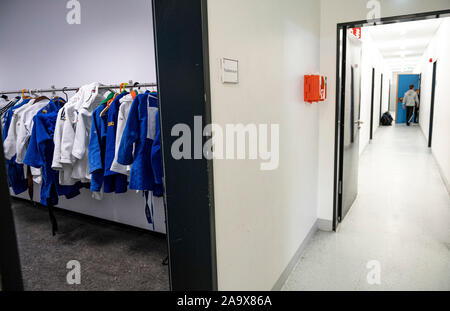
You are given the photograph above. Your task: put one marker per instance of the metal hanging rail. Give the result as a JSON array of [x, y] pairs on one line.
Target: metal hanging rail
[[73, 89]]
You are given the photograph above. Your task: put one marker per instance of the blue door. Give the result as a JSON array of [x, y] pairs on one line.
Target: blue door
[[404, 81]]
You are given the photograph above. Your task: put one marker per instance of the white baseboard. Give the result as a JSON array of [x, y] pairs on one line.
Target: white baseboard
[[441, 172], [325, 225], [291, 265]]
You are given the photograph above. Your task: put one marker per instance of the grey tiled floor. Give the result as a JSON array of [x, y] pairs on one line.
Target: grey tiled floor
[[111, 257], [401, 219]]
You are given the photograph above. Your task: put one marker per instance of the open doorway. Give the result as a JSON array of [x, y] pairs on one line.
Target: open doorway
[[402, 45], [127, 239]]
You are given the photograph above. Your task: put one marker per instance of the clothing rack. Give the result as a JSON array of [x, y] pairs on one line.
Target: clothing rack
[[73, 89], [54, 90]]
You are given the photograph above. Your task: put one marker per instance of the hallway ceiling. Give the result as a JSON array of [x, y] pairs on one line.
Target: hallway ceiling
[[403, 44]]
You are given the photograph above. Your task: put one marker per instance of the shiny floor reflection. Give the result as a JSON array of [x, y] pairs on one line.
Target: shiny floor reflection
[[401, 219]]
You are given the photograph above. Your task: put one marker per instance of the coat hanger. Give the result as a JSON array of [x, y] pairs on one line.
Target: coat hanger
[[23, 94], [134, 92], [105, 110], [37, 97], [40, 98], [122, 87], [108, 104], [107, 92], [32, 95], [64, 91], [152, 95]]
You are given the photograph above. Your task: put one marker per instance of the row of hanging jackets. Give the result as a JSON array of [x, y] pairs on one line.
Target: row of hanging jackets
[[107, 142]]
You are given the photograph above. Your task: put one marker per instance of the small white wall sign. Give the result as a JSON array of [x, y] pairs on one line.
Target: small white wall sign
[[230, 70]]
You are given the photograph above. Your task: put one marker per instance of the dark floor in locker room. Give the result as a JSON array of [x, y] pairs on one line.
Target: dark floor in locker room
[[112, 257]]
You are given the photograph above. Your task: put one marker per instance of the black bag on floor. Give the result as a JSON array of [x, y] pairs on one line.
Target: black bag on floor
[[386, 119]]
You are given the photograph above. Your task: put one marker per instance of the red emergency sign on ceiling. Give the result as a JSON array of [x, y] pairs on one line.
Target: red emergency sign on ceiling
[[357, 32]]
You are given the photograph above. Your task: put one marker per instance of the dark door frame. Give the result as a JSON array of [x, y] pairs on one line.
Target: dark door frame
[[182, 61], [341, 53], [372, 104], [420, 95], [433, 95], [182, 58], [389, 97], [381, 98], [10, 270]]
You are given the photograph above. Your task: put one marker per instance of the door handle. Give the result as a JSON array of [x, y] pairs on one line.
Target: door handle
[[359, 123]]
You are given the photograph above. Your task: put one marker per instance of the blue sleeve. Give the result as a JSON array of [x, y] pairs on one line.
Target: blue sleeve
[[33, 156], [95, 153], [130, 135], [8, 117], [156, 154]]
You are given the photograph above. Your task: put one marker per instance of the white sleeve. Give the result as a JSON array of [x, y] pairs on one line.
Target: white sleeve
[[56, 164], [67, 140], [115, 166], [25, 129], [22, 137], [21, 144], [81, 137], [10, 142], [121, 123], [70, 122], [37, 176]]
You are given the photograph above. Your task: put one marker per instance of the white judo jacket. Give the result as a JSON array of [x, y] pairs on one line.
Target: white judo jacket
[[10, 142], [72, 136], [19, 133]]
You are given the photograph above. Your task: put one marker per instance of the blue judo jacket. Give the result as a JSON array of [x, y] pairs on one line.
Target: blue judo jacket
[[40, 155], [139, 136], [97, 157], [15, 171]]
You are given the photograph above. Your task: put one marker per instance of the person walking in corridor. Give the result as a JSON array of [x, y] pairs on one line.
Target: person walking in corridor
[[410, 100]]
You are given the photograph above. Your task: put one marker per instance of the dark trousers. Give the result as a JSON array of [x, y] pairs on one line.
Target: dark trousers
[[409, 113], [416, 119]]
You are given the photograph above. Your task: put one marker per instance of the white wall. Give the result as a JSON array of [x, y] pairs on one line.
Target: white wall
[[262, 217], [332, 13], [372, 58], [439, 49], [387, 81], [38, 48], [392, 106], [394, 94], [113, 44]]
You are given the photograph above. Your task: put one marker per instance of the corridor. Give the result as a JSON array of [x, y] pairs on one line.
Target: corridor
[[401, 219]]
